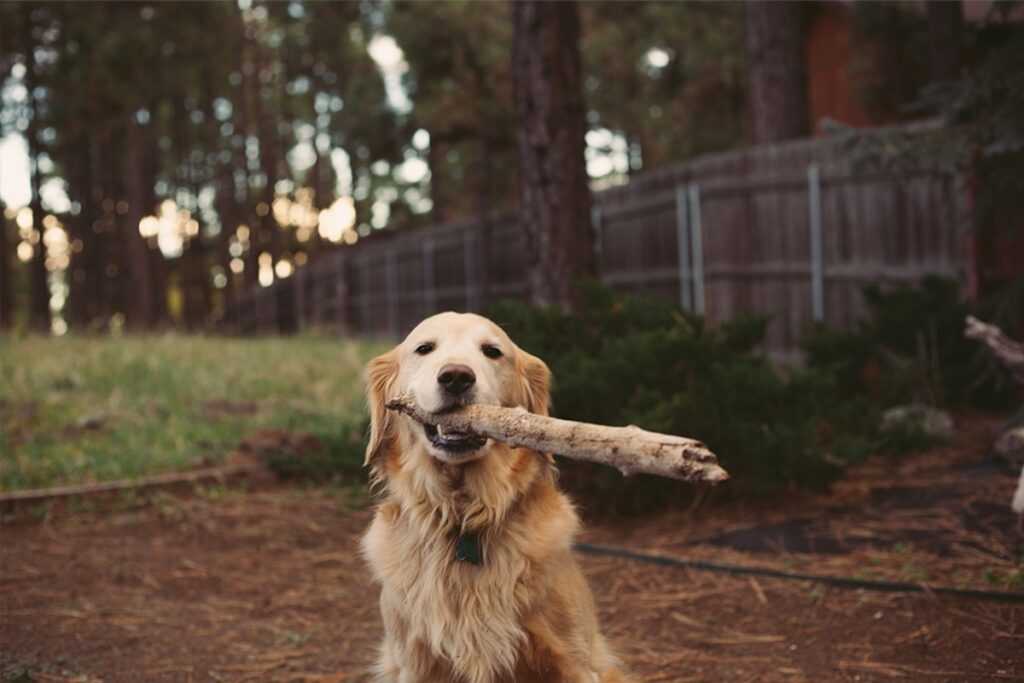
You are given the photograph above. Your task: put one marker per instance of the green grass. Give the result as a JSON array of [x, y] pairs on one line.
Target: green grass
[[81, 409]]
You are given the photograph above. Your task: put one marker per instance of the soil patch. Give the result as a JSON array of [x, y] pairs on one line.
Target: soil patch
[[269, 586]]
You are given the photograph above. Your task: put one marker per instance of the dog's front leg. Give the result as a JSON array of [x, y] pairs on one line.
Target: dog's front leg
[[552, 659], [387, 669]]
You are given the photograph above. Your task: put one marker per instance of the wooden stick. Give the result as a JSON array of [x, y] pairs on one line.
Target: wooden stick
[[1009, 352], [628, 449]]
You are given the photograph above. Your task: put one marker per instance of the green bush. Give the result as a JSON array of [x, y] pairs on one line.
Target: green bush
[[624, 360], [332, 454], [912, 348]]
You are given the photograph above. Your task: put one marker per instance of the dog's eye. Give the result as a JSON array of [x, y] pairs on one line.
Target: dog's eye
[[425, 348], [491, 351]]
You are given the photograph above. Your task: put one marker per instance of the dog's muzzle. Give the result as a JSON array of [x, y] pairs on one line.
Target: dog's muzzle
[[453, 442]]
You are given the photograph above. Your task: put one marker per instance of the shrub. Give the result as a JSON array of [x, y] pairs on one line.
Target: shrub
[[625, 360], [912, 348], [333, 452]]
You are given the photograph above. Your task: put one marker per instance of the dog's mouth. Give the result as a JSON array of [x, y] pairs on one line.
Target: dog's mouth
[[453, 442]]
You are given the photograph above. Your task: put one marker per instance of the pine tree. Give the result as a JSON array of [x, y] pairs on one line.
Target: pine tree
[[777, 74], [555, 199]]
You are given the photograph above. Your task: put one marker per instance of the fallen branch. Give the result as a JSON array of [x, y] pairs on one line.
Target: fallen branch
[[217, 474], [1009, 352], [628, 449]]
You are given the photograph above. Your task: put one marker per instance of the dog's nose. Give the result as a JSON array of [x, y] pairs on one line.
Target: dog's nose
[[456, 379]]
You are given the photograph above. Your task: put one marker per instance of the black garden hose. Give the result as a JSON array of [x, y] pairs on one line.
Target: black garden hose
[[837, 581]]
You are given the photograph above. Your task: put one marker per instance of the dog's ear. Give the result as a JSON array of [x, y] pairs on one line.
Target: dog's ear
[[536, 382], [380, 378]]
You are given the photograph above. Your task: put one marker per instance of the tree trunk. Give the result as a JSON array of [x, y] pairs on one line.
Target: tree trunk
[[6, 297], [79, 229], [194, 273], [39, 302], [775, 58], [157, 263], [250, 92], [945, 39], [270, 155], [555, 196], [141, 310], [95, 247]]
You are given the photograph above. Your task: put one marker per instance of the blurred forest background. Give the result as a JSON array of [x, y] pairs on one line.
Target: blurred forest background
[[157, 159]]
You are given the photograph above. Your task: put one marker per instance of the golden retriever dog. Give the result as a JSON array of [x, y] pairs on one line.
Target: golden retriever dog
[[472, 541]]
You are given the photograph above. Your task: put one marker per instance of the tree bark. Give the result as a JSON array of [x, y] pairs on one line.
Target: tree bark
[[157, 263], [95, 252], [141, 310], [628, 449], [945, 39], [249, 125], [777, 73], [555, 199], [39, 301], [192, 266], [79, 229], [6, 296], [270, 154]]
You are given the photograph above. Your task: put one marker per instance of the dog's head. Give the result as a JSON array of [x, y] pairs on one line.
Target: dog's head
[[450, 359]]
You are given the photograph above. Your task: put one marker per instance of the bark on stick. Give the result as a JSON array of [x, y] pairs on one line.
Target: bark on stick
[[628, 449]]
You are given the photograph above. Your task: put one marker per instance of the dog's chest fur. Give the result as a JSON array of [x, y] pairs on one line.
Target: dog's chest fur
[[456, 615]]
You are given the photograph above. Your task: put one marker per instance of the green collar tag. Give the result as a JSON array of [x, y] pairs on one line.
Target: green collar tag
[[469, 549]]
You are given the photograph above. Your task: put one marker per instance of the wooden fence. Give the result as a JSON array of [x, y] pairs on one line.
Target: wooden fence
[[794, 231]]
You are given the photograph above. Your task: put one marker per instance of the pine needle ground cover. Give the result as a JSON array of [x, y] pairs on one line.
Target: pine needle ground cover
[[77, 409]]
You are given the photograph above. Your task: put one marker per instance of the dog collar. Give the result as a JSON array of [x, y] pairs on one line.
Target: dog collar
[[469, 549]]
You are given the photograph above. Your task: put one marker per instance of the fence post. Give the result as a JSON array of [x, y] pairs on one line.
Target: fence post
[[696, 247], [429, 286], [298, 282], [365, 304], [313, 303], [683, 249], [817, 266], [469, 269], [391, 261], [342, 295]]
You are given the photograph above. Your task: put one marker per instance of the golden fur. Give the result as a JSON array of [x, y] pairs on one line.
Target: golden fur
[[526, 614]]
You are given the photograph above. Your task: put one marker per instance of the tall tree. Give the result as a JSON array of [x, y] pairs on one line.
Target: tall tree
[[39, 306], [6, 298], [776, 68], [142, 303], [8, 29], [555, 199]]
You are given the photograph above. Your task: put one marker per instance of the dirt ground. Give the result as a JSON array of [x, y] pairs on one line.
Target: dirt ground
[[267, 585]]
